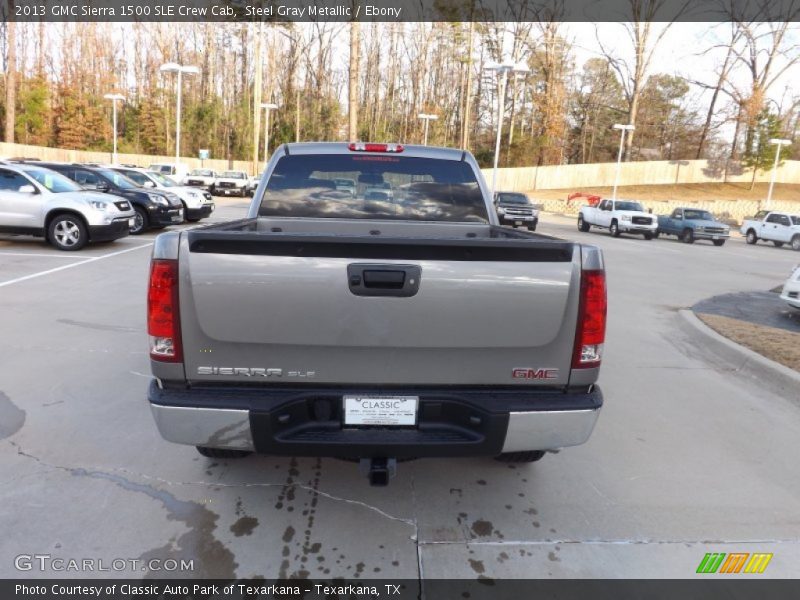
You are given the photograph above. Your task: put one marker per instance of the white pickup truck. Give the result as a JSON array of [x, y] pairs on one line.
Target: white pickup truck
[[618, 216], [777, 227]]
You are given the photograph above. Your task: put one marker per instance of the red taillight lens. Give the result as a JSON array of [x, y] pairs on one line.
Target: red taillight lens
[[364, 147], [591, 331], [163, 318]]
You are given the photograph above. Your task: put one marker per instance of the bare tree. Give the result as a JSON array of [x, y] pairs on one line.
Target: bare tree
[[352, 90], [633, 72], [11, 74]]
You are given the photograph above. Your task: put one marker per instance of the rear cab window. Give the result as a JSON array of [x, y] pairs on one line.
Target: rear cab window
[[387, 187]]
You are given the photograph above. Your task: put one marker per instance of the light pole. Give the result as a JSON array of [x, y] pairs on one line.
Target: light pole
[[180, 70], [268, 107], [427, 118], [623, 129], [775, 142], [114, 98], [502, 70]]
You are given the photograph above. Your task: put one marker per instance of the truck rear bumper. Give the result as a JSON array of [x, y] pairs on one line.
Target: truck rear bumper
[[308, 422]]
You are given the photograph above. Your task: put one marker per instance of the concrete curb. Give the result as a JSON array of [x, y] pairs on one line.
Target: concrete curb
[[750, 364]]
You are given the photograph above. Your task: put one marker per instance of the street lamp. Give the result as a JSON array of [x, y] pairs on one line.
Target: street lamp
[[268, 107], [623, 129], [180, 70], [114, 98], [427, 118], [775, 142], [502, 70]]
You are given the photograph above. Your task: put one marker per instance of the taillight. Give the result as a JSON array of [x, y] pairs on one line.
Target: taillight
[[591, 331], [163, 317], [365, 147]]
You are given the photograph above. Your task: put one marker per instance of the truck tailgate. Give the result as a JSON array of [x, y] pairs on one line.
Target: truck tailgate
[[282, 308]]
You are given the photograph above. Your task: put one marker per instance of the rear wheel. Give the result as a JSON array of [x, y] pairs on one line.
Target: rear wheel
[[67, 232], [751, 237], [527, 456], [778, 244], [796, 243], [614, 229], [140, 221], [222, 452], [687, 237], [582, 225], [719, 242]]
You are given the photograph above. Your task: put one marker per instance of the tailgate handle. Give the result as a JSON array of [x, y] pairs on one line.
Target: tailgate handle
[[383, 280], [391, 280]]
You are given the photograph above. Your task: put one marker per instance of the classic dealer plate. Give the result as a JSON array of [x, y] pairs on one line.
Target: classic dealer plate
[[380, 410]]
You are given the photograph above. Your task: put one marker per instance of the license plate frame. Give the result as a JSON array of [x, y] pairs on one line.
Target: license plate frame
[[381, 410]]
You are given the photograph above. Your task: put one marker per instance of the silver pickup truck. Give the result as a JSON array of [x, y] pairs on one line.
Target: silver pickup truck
[[340, 324]]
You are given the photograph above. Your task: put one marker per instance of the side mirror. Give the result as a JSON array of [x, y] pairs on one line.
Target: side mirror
[[27, 189], [102, 186], [149, 184], [679, 216]]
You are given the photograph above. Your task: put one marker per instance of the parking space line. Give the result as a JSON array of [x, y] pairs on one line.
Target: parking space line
[[77, 264], [39, 255]]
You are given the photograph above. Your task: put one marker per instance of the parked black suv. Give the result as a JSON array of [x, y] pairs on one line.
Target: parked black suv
[[154, 209]]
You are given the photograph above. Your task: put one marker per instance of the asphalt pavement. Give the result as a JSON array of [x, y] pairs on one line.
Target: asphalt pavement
[[688, 456], [757, 307]]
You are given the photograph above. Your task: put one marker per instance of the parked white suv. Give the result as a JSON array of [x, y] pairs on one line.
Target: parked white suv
[[791, 289], [40, 202]]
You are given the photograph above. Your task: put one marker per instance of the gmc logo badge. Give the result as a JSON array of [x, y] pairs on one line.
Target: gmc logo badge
[[534, 373]]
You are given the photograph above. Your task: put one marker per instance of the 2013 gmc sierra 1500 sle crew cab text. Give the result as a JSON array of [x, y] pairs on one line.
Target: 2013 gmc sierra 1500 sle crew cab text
[[340, 324]]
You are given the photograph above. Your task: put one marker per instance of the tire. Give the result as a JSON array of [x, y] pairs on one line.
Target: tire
[[796, 243], [212, 190], [67, 232], [222, 452], [526, 456], [648, 236], [656, 233], [687, 236], [718, 242], [778, 244], [614, 229], [532, 227], [751, 237], [583, 225], [140, 221]]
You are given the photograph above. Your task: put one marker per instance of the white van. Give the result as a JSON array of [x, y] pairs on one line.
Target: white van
[[175, 171]]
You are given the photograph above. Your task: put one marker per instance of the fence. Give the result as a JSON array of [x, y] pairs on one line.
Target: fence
[[526, 179], [656, 172], [142, 160]]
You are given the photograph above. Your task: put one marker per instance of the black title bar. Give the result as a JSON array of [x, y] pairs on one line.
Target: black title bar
[[283, 11]]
